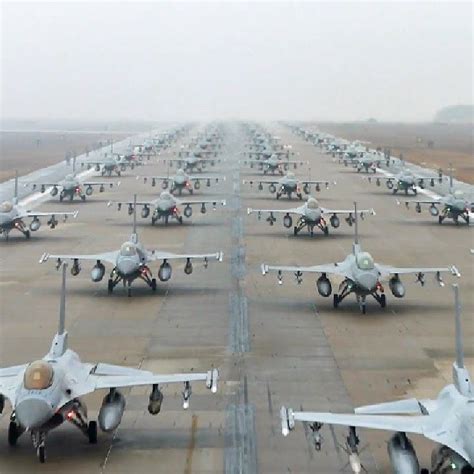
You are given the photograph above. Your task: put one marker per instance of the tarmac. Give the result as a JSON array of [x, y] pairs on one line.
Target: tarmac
[[273, 344]]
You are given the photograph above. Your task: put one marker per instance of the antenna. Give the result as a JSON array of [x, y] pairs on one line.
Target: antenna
[[62, 303], [459, 342]]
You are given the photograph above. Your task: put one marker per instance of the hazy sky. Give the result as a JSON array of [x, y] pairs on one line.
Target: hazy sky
[[167, 61]]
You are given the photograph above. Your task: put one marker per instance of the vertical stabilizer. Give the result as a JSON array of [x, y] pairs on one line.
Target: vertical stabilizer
[[62, 303], [15, 192], [134, 230], [59, 344], [461, 376], [355, 245]]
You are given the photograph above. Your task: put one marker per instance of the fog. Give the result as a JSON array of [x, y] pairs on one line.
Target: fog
[[180, 61]]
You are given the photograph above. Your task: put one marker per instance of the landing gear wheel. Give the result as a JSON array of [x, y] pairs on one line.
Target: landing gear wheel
[[13, 433], [300, 197], [153, 220], [295, 230], [61, 197], [278, 195], [394, 191], [92, 432], [415, 191], [363, 308], [40, 452], [383, 301], [27, 234], [83, 197], [335, 301], [180, 219], [129, 292], [71, 197], [326, 231], [110, 286], [153, 284], [440, 219]]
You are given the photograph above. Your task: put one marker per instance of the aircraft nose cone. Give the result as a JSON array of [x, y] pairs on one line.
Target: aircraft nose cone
[[33, 413], [367, 281], [126, 266]]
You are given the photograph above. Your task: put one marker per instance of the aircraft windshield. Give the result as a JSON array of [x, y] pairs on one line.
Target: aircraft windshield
[[180, 172], [38, 375], [69, 177], [291, 175], [312, 204], [6, 206], [365, 261], [458, 194], [128, 249]]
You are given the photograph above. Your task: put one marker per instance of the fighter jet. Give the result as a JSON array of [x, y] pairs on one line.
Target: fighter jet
[[406, 181], [446, 420], [113, 164], [48, 392], [72, 186], [194, 161], [361, 275], [454, 205], [13, 215], [273, 164], [289, 184], [130, 262], [166, 207], [310, 215], [182, 181], [369, 161]]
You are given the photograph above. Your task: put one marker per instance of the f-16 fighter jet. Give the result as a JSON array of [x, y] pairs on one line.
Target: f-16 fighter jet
[[72, 186], [360, 275], [310, 215], [166, 207], [406, 181], [49, 391], [194, 161], [130, 262], [114, 164], [13, 216], [453, 205], [289, 184], [273, 164], [183, 181], [369, 161], [446, 420]]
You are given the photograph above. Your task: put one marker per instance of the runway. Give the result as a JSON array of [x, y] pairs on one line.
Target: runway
[[273, 344]]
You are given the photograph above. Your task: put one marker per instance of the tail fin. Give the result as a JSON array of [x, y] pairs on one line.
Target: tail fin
[[134, 231], [461, 376], [355, 245], [15, 192], [59, 344]]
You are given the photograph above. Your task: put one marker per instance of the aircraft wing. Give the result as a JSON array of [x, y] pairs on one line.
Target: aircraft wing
[[360, 212], [33, 214], [110, 376], [110, 257], [100, 183], [260, 181], [204, 177], [387, 271], [291, 210], [330, 268], [405, 424], [9, 380], [419, 202], [158, 255], [200, 202]]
